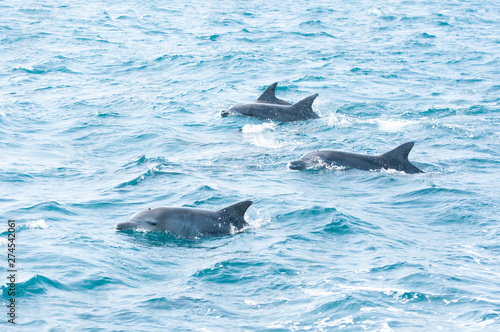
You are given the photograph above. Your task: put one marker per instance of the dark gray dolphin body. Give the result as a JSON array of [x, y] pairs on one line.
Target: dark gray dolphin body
[[190, 222], [268, 107], [396, 159]]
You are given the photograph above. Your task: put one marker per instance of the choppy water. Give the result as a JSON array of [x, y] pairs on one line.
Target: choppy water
[[110, 107]]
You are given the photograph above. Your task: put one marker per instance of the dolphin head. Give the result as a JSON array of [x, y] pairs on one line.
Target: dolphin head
[[146, 219], [236, 109], [307, 161], [297, 164]]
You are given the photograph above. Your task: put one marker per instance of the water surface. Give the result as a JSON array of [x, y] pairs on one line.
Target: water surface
[[110, 107]]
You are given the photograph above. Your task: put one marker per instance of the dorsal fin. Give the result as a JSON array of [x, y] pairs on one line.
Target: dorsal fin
[[235, 213], [401, 152], [269, 96], [306, 103]]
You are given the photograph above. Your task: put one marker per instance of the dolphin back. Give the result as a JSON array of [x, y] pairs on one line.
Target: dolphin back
[[400, 155], [235, 213], [304, 109], [269, 96]]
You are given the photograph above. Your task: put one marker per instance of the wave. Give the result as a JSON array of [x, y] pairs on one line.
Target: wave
[[34, 224], [339, 120], [94, 282], [161, 167], [44, 69], [329, 221], [235, 270], [51, 206], [448, 112], [145, 160], [40, 284], [37, 284], [15, 176], [149, 174], [340, 226], [173, 303]]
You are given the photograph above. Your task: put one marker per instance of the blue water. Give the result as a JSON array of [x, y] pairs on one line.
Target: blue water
[[108, 107]]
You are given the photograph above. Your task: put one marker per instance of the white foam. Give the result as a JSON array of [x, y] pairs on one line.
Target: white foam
[[375, 11], [27, 68], [258, 136], [340, 323], [232, 229], [258, 128], [321, 164], [268, 143], [37, 224], [392, 171], [333, 167], [255, 220], [392, 125], [339, 121], [258, 222], [395, 292], [251, 303], [318, 292]]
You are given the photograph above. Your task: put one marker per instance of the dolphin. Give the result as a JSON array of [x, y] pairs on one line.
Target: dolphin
[[396, 159], [190, 222], [268, 107]]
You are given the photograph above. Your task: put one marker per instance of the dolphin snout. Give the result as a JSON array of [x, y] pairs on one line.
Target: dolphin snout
[[297, 165], [126, 225], [225, 113]]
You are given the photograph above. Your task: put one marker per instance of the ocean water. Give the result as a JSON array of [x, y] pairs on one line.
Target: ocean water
[[109, 107]]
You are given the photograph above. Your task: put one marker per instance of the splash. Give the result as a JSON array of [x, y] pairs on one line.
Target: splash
[[392, 125], [269, 143], [258, 128], [36, 224], [339, 121]]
